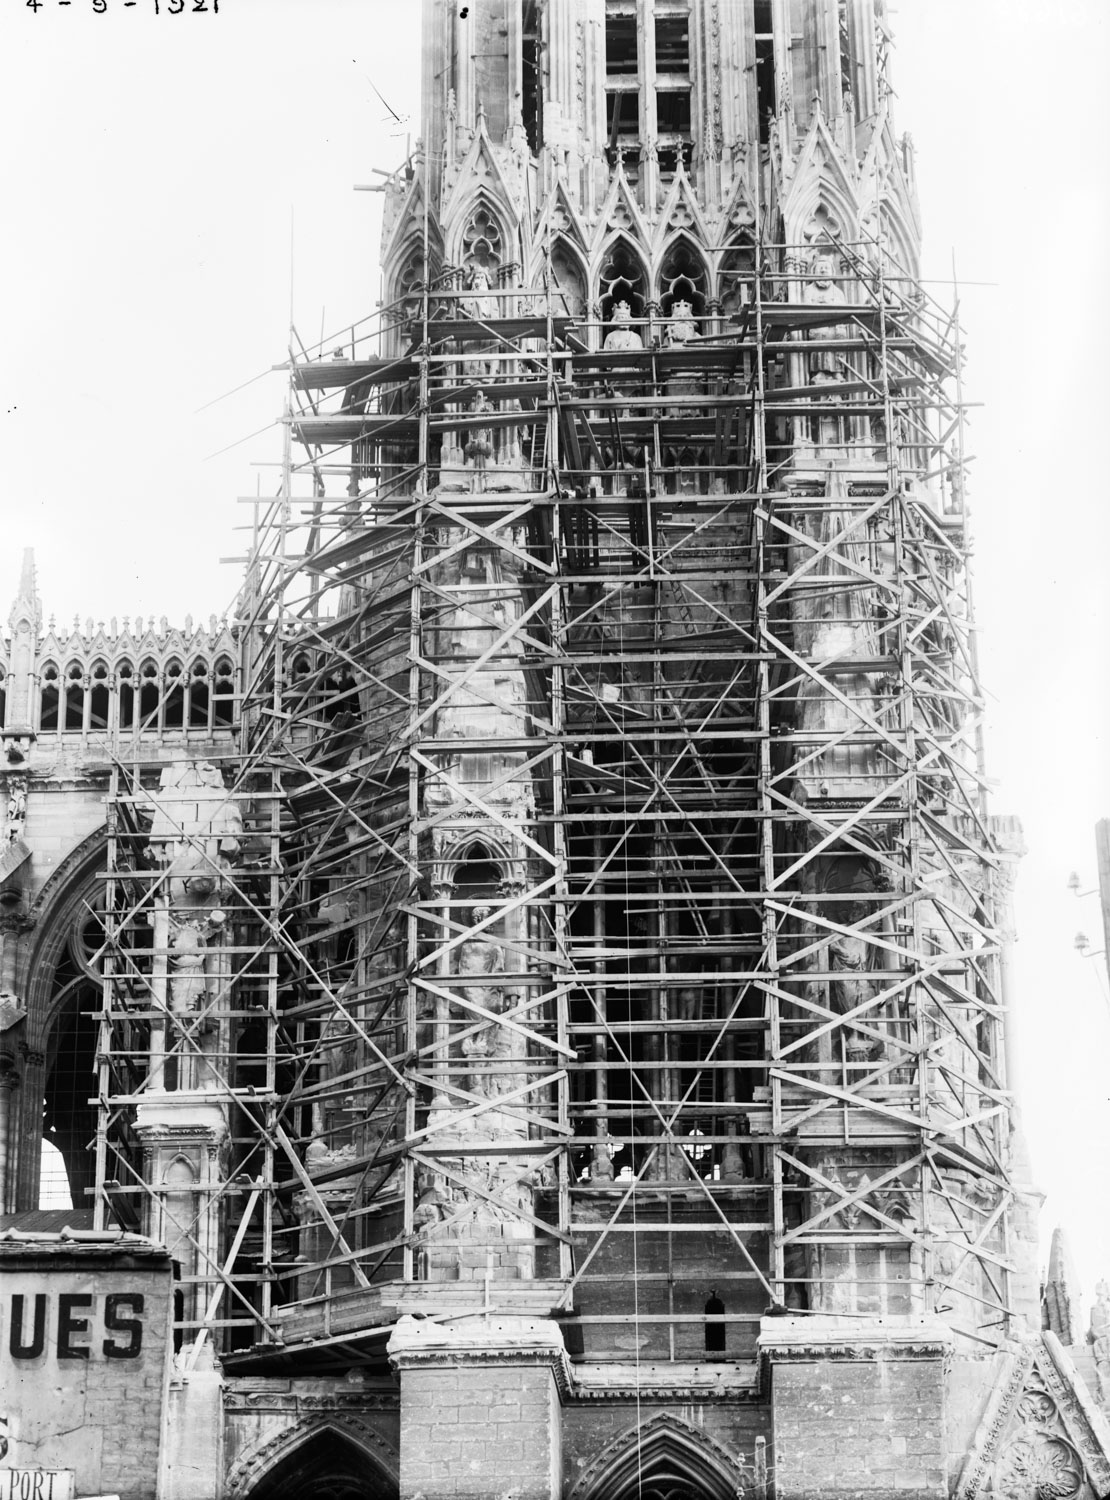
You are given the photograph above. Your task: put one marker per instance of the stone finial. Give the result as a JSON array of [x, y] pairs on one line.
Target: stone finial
[[26, 610], [1060, 1310]]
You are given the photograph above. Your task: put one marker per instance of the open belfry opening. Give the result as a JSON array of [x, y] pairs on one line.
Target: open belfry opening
[[539, 970]]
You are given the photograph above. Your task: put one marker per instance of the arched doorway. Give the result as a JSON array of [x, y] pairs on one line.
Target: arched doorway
[[662, 1459], [58, 973], [326, 1466]]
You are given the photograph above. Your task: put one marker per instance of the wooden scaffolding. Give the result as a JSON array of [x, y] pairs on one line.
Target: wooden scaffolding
[[614, 935]]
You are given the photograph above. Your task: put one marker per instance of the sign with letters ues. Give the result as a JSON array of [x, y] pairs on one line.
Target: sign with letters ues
[[84, 1363], [37, 1484]]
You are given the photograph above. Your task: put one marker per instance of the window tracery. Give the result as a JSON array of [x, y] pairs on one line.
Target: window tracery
[[483, 247], [99, 696], [621, 278]]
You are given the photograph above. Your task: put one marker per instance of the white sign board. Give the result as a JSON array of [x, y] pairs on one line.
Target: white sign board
[[37, 1484]]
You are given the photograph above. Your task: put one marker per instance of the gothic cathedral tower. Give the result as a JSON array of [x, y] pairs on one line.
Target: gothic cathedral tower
[[562, 1044]]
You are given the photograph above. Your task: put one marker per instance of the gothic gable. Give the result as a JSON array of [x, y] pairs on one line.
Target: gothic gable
[[1041, 1433], [480, 178], [680, 212], [821, 188], [620, 211]]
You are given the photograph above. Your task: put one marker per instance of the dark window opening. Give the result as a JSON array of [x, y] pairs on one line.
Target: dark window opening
[[477, 878], [99, 697], [620, 45], [75, 699], [672, 108], [126, 695], [622, 117], [223, 700], [3, 700], [682, 279], [714, 1325], [174, 716], [765, 98], [672, 44], [531, 60], [621, 279], [198, 696], [148, 696], [48, 707]]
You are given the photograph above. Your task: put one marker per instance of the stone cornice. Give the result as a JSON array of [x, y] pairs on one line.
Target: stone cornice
[[687, 1383], [314, 1402], [421, 1343], [825, 1337]]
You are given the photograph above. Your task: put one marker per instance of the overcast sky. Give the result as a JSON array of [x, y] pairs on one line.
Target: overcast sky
[[154, 172]]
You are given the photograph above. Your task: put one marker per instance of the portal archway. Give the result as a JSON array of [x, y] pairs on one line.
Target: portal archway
[[662, 1459], [326, 1462]]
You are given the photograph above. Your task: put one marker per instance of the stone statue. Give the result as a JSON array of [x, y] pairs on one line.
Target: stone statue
[[478, 958], [479, 443], [15, 816], [620, 335], [682, 326], [822, 291], [195, 834], [479, 305]]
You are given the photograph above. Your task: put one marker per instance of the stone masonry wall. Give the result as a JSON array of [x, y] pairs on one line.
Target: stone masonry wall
[[479, 1430], [858, 1411]]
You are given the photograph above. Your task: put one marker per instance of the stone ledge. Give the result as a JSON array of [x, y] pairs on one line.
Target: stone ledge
[[826, 1336], [417, 1343]]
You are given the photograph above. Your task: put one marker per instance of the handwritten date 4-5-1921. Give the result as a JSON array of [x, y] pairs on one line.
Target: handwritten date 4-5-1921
[[160, 7]]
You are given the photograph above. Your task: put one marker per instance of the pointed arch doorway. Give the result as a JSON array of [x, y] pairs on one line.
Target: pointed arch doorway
[[326, 1466], [663, 1459]]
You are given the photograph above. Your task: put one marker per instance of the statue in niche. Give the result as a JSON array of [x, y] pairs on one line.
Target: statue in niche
[[15, 816], [822, 290], [195, 834], [621, 335], [332, 1115], [479, 958], [479, 442], [848, 958], [851, 958], [682, 326], [479, 305]]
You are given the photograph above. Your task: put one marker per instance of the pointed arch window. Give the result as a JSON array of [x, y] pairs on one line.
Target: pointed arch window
[[48, 698], [173, 707], [621, 278], [99, 696], [125, 676], [568, 282], [150, 693], [683, 278], [223, 693], [199, 697], [75, 697], [483, 244]]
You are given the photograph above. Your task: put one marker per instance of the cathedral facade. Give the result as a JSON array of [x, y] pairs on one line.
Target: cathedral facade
[[521, 1008]]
